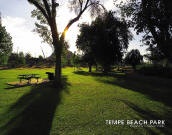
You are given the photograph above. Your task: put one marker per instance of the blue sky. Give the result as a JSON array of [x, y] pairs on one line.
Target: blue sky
[[16, 17], [13, 8]]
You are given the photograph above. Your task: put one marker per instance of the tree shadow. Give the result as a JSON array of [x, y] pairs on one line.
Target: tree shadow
[[99, 74], [158, 89], [148, 114], [33, 113], [87, 73]]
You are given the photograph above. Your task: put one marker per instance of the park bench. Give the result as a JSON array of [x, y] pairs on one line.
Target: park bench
[[28, 77]]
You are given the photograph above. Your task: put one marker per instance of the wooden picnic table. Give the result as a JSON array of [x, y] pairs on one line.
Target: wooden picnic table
[[28, 77]]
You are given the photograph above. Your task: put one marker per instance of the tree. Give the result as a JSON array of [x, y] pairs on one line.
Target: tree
[[154, 18], [89, 59], [17, 59], [21, 58], [133, 58], [155, 55], [47, 27], [28, 56], [5, 45], [84, 43], [104, 40], [13, 60]]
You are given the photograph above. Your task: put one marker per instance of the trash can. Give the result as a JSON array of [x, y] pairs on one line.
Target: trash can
[[50, 75]]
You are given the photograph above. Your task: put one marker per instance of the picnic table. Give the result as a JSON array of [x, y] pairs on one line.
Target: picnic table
[[28, 77]]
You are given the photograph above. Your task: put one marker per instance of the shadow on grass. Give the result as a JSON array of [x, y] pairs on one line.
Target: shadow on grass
[[100, 74], [87, 73], [33, 113], [157, 89], [151, 115]]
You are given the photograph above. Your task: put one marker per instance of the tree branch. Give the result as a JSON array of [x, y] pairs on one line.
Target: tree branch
[[40, 8], [54, 5], [79, 15], [47, 7], [80, 2], [74, 19]]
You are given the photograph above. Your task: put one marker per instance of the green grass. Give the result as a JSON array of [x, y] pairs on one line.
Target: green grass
[[84, 104]]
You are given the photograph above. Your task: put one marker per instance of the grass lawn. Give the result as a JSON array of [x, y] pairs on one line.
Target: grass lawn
[[84, 104]]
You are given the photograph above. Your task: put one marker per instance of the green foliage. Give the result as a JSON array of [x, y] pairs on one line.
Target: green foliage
[[133, 58], [42, 27], [105, 40], [5, 45], [16, 60], [4, 59], [21, 58], [153, 17], [66, 55], [28, 56], [155, 55], [76, 59], [84, 43]]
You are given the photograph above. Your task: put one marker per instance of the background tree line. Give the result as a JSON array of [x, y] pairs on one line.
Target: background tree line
[[27, 60]]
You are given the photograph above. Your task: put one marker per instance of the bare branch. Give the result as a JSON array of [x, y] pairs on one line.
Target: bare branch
[[76, 18], [86, 5], [80, 13], [98, 4], [71, 22], [80, 2]]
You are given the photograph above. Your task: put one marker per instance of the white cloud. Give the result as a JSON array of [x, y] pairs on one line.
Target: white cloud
[[23, 38]]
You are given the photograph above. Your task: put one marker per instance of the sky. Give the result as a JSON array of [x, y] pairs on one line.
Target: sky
[[16, 17]]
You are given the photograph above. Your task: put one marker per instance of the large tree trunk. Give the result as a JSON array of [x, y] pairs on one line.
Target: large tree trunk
[[57, 79], [58, 52]]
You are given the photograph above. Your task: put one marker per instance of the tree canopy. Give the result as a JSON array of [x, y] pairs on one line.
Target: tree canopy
[[154, 18], [105, 40], [6, 45], [133, 58]]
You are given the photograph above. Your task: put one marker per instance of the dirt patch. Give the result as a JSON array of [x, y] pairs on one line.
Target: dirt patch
[[25, 82]]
